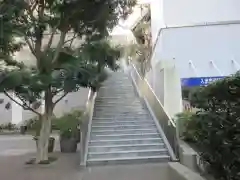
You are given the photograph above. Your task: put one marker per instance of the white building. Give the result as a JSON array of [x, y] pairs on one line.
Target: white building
[[192, 38]]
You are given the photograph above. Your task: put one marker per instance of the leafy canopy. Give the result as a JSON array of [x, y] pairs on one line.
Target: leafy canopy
[[44, 26]]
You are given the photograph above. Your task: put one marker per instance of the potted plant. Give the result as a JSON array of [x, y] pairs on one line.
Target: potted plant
[[68, 130]]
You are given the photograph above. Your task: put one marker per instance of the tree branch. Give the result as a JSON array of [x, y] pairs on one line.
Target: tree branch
[[57, 91], [30, 46], [72, 39], [24, 105], [60, 98], [51, 39], [59, 46]]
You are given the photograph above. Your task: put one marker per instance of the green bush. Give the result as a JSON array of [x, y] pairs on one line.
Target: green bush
[[216, 126], [8, 126], [68, 124], [186, 126]]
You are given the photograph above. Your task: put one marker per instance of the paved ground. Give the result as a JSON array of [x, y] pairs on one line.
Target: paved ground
[[127, 172], [16, 150], [12, 145]]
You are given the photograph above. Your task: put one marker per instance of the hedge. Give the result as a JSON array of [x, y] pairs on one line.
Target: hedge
[[215, 128]]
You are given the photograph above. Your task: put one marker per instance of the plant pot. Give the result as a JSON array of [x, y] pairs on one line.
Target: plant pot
[[51, 143], [78, 136], [23, 129], [68, 145]]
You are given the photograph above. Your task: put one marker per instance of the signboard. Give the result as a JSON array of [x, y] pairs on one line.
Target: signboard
[[199, 81]]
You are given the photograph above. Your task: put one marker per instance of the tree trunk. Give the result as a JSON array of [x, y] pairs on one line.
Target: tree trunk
[[43, 139], [42, 144]]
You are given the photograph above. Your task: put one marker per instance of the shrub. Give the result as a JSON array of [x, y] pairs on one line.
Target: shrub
[[68, 124], [186, 126], [8, 126], [31, 123], [216, 126]]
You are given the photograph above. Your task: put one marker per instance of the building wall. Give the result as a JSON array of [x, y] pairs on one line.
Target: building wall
[[213, 50], [73, 101], [198, 11], [193, 51], [157, 18], [5, 115]]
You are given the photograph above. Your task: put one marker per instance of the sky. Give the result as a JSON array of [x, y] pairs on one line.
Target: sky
[[124, 28]]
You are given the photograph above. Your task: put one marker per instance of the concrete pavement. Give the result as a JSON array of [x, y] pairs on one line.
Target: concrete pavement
[[11, 145], [16, 150]]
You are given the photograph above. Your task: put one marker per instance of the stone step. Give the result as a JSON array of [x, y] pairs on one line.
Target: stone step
[[116, 94], [120, 103], [129, 118], [116, 86], [125, 141], [127, 160], [124, 131], [102, 106], [122, 123], [119, 115], [129, 147], [124, 136], [119, 110], [116, 99], [119, 122], [133, 154], [102, 127]]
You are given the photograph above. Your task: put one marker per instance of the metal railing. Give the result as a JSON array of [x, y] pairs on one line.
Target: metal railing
[[166, 125], [85, 128]]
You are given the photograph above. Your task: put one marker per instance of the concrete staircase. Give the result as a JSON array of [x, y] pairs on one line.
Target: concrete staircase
[[123, 130]]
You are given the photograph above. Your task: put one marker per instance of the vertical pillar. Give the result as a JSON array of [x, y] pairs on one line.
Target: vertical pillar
[[170, 90], [17, 111]]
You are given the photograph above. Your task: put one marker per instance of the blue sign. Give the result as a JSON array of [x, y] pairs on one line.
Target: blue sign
[[199, 81]]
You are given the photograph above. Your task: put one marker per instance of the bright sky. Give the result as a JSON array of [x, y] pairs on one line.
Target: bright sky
[[130, 21]]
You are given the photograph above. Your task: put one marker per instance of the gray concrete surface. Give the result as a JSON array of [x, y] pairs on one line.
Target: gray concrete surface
[[65, 168], [15, 145], [16, 150], [127, 172]]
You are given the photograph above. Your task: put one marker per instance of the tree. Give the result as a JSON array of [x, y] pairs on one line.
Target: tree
[[102, 53], [59, 69], [141, 50]]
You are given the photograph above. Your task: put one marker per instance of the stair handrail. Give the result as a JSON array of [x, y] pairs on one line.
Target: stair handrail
[[164, 122], [85, 128]]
